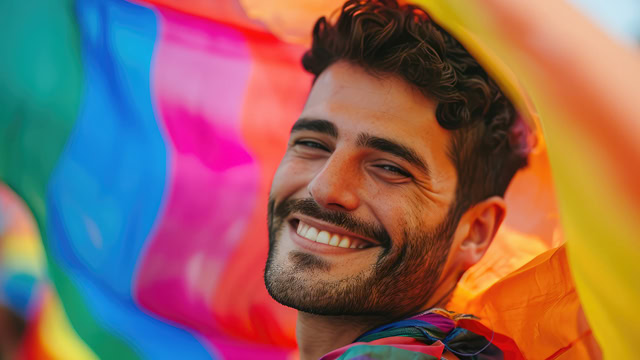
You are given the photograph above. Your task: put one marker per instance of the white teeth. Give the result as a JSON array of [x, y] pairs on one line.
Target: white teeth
[[323, 237], [344, 243], [312, 233], [335, 240]]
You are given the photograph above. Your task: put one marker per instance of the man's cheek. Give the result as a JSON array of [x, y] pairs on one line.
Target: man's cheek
[[277, 184], [290, 178]]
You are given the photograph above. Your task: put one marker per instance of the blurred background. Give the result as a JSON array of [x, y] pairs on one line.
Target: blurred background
[[137, 145]]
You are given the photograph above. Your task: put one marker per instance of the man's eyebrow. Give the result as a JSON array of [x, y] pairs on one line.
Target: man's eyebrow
[[317, 125], [394, 148]]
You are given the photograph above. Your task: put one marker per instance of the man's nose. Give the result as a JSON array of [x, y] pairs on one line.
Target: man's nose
[[335, 187]]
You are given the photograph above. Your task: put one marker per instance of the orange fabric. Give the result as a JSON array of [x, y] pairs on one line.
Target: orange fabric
[[537, 305]]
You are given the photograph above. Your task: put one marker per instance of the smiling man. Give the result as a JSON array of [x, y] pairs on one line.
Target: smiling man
[[391, 188]]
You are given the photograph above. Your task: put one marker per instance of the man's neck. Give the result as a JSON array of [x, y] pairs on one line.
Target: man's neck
[[317, 335]]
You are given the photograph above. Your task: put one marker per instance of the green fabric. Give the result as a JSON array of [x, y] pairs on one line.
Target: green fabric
[[365, 352], [406, 332], [41, 84]]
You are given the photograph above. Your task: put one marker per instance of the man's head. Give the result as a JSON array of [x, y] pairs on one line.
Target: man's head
[[402, 154]]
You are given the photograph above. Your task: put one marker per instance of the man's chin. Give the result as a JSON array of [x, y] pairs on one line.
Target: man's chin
[[302, 290], [308, 303]]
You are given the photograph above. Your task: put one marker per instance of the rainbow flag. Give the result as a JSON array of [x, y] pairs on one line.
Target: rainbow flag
[[143, 140], [143, 137]]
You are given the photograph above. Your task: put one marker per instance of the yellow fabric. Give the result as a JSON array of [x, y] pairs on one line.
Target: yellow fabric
[[56, 336], [21, 252], [20, 247]]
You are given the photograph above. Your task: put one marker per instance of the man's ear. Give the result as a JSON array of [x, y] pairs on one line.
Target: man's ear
[[476, 230]]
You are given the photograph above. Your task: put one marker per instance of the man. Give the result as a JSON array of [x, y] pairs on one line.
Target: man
[[390, 189]]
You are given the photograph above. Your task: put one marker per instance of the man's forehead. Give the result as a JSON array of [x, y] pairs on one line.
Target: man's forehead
[[347, 87], [348, 95]]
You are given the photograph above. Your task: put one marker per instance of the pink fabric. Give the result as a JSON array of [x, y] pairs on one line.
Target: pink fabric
[[443, 323], [212, 181]]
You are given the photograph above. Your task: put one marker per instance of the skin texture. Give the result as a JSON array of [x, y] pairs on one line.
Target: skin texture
[[425, 253]]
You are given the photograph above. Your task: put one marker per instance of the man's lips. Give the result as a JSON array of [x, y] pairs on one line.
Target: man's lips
[[328, 234]]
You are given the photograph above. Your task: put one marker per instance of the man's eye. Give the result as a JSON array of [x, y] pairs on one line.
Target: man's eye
[[311, 144], [395, 170]]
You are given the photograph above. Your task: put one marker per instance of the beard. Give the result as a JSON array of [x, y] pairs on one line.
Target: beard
[[399, 283]]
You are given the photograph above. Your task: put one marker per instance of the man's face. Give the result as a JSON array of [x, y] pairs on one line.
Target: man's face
[[358, 207]]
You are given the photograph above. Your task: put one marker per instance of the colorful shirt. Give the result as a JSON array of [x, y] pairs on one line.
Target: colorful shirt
[[428, 336]]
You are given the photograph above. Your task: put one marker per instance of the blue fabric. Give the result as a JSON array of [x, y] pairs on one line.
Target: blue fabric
[[106, 191]]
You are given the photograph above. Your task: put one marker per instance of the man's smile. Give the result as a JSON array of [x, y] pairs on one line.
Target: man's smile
[[324, 237]]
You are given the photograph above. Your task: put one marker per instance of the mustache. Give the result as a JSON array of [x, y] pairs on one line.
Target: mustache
[[310, 208]]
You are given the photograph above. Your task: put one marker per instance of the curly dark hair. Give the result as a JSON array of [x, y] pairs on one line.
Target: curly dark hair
[[384, 37]]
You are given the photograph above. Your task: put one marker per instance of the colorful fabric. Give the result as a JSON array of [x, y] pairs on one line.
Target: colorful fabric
[[22, 268], [428, 336], [143, 138], [539, 295], [590, 121]]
